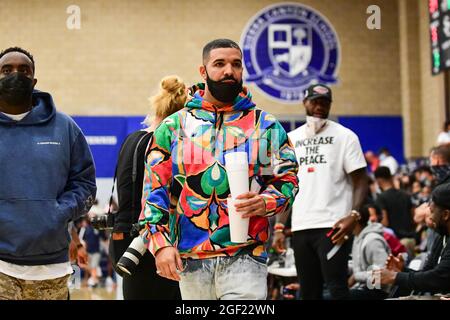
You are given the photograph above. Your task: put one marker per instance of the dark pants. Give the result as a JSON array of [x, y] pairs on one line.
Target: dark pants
[[314, 270], [144, 283], [367, 294]]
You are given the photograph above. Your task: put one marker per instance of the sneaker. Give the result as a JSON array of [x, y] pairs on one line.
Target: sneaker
[[109, 282], [92, 283]]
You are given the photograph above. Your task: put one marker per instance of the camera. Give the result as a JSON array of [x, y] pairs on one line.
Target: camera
[[103, 221], [130, 259]]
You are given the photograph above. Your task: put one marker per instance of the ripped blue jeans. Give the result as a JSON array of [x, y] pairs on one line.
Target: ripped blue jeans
[[241, 277]]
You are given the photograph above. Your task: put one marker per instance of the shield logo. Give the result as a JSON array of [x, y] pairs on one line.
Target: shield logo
[[290, 48]]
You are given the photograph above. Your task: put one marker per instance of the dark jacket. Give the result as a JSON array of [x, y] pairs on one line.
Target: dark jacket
[[435, 277], [47, 179], [130, 176]]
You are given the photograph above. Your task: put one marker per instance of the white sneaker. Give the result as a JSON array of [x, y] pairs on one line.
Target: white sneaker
[[92, 283], [109, 282]]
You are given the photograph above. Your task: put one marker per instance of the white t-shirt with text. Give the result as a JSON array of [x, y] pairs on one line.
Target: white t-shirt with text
[[325, 187]]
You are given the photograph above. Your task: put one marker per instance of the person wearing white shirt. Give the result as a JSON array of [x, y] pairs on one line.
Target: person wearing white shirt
[[333, 185], [444, 136], [387, 160]]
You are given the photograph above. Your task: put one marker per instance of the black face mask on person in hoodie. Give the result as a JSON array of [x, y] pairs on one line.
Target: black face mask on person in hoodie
[[16, 89], [224, 91], [441, 172]]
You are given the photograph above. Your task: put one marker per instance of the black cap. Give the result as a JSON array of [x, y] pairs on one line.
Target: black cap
[[383, 173], [318, 91], [441, 195]]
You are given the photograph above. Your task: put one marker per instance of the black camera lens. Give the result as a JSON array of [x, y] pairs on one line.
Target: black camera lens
[[130, 259]]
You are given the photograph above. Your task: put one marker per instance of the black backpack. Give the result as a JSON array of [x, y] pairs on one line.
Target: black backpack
[[129, 175]]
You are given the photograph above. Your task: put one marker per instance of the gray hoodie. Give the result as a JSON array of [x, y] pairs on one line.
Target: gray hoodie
[[369, 249]]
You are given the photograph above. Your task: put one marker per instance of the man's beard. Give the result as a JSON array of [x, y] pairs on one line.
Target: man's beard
[[224, 91]]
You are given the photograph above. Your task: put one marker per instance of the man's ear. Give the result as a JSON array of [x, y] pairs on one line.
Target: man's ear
[[446, 215], [203, 72], [34, 82]]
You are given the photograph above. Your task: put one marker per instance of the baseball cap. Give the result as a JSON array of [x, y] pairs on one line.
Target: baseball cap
[[318, 91], [441, 195]]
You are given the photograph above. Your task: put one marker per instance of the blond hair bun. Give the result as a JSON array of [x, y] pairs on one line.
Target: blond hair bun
[[173, 85], [171, 97]]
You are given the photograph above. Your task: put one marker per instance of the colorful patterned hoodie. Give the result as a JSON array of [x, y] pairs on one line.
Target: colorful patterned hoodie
[[185, 182]]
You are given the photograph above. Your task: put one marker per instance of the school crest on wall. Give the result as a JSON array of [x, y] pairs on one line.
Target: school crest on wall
[[288, 46]]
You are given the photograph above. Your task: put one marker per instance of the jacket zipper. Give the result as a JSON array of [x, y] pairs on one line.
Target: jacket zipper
[[217, 127]]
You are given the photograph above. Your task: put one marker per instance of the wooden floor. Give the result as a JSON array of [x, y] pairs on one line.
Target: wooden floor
[[104, 290], [86, 293]]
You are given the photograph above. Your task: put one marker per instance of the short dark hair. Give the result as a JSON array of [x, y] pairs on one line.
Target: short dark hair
[[218, 43], [383, 173], [446, 124], [426, 169], [384, 150], [18, 49], [442, 151], [365, 214]]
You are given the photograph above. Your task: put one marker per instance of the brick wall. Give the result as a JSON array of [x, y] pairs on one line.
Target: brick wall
[[115, 61]]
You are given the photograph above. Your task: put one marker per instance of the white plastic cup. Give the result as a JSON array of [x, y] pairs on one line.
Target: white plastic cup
[[238, 225], [236, 165]]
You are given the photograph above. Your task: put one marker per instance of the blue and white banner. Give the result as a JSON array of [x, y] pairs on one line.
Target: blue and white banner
[[105, 136]]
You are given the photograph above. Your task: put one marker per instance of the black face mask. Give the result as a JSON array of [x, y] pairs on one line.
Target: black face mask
[[222, 91], [16, 89], [441, 172]]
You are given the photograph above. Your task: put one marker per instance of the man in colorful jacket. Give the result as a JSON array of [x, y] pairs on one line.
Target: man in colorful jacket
[[186, 185]]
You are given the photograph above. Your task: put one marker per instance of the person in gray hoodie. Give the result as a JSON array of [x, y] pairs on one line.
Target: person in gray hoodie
[[47, 179], [369, 251]]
